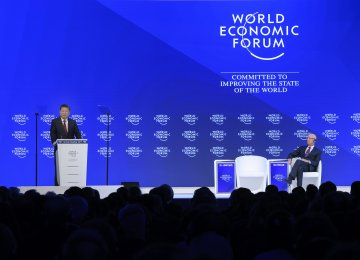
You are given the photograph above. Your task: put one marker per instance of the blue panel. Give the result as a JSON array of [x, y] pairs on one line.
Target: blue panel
[[225, 177], [278, 171]]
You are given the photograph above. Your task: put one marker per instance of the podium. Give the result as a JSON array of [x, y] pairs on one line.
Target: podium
[[71, 162]]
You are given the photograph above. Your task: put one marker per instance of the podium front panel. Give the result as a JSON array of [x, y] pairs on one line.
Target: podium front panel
[[224, 176], [278, 169], [71, 162]]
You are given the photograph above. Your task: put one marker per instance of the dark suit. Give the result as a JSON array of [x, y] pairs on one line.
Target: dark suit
[[57, 131], [300, 167]]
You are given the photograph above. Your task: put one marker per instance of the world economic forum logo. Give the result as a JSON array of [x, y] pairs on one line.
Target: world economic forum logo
[[47, 118], [20, 135], [274, 118], [162, 135], [190, 135], [218, 119], [356, 133], [274, 150], [20, 119], [134, 135], [278, 177], [302, 134], [264, 35], [218, 135], [247, 135], [246, 118], [162, 119], [103, 135], [190, 151], [162, 151], [104, 152], [356, 149], [20, 152], [330, 118], [331, 150], [226, 177], [73, 153], [46, 135], [302, 118], [133, 119], [218, 151], [134, 151], [274, 134], [246, 150], [356, 117], [48, 152], [190, 119], [80, 119], [330, 134], [106, 119]]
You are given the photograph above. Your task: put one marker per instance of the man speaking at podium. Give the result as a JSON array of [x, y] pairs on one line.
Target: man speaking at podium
[[308, 160], [63, 127]]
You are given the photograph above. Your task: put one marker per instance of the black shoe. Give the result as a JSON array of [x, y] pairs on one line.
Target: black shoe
[[287, 180]]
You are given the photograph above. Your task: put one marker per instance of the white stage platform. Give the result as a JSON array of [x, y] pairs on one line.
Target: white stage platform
[[179, 192]]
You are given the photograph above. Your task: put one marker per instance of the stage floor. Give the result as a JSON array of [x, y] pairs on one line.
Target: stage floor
[[179, 192]]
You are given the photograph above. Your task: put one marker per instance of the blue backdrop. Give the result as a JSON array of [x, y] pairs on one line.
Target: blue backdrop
[[187, 82]]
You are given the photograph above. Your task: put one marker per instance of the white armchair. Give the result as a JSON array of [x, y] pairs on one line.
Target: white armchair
[[308, 177], [251, 172]]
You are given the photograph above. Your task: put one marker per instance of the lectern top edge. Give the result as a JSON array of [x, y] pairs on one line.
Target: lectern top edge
[[71, 141]]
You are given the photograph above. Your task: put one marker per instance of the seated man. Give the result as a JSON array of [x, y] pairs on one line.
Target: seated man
[[309, 157]]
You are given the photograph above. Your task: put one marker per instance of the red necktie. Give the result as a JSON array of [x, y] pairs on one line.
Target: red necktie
[[65, 130], [307, 151]]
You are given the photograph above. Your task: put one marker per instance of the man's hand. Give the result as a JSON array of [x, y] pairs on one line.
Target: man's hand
[[304, 160]]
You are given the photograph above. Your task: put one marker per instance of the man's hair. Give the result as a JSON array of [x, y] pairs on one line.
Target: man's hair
[[65, 105], [315, 137]]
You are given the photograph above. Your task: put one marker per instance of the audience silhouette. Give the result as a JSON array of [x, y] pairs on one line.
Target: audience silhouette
[[305, 224]]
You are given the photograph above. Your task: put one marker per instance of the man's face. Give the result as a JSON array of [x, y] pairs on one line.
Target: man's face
[[311, 140], [64, 112]]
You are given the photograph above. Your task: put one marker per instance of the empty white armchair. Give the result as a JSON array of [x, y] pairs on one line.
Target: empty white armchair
[[251, 172], [308, 177]]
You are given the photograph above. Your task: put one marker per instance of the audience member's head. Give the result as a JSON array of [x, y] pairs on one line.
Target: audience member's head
[[8, 244], [168, 191], [327, 187], [164, 251], [85, 244], [355, 189], [79, 208], [241, 198], [73, 191], [311, 191], [271, 189], [134, 193], [299, 191], [211, 246], [132, 220], [57, 209], [203, 196], [107, 231], [124, 192]]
